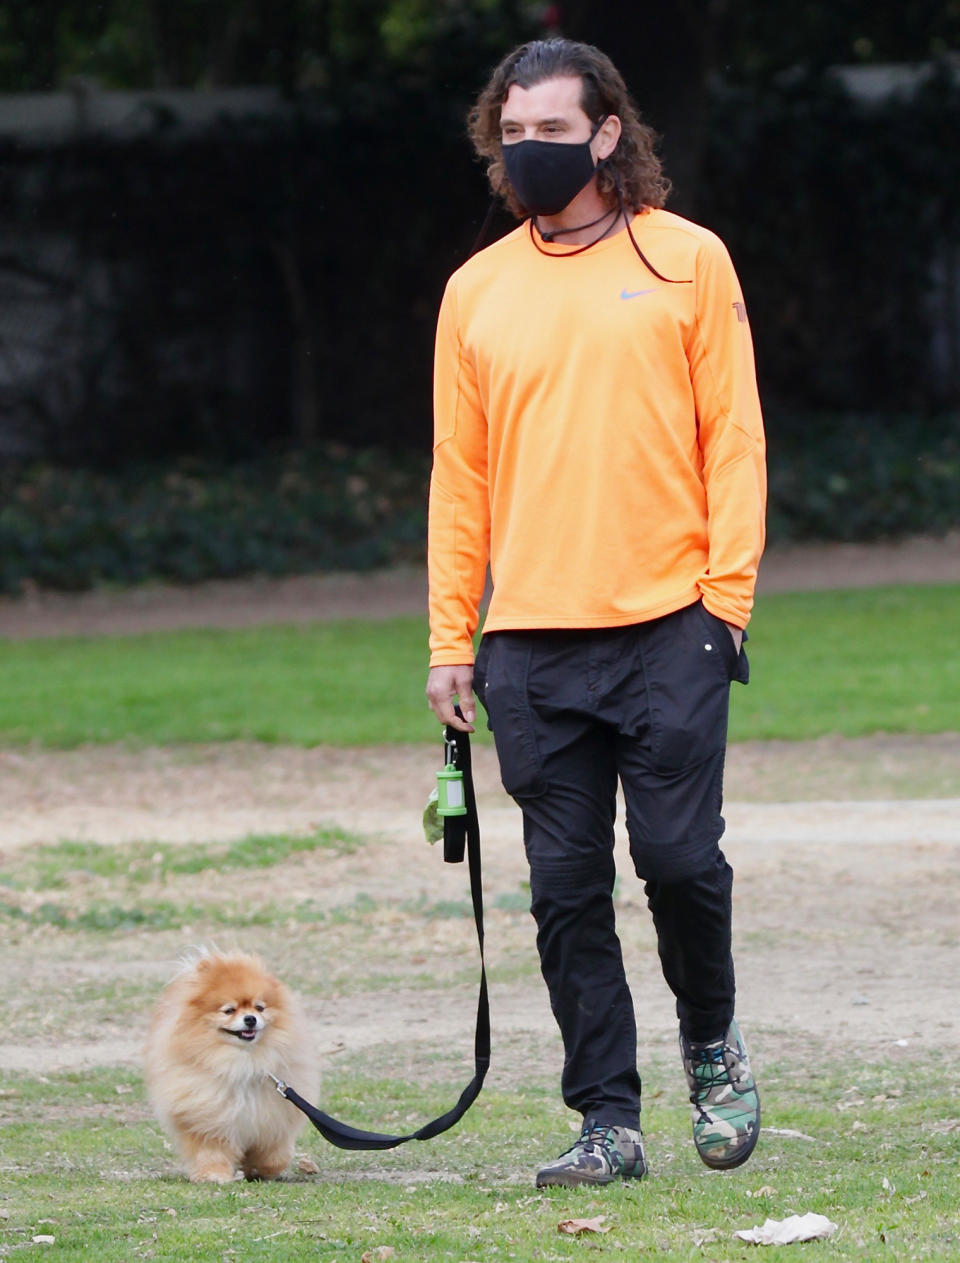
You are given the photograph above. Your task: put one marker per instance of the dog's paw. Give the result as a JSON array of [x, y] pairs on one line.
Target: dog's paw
[[218, 1173], [267, 1164]]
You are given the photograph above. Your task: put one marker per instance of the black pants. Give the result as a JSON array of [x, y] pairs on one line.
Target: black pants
[[572, 712]]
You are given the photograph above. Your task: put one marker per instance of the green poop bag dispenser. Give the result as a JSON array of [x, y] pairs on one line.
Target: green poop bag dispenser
[[450, 797], [451, 800]]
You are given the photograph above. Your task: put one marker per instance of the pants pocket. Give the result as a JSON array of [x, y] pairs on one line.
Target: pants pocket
[[738, 668], [480, 675], [505, 673], [687, 668]]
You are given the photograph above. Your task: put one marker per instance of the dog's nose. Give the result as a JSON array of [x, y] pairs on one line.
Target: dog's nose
[[249, 1021]]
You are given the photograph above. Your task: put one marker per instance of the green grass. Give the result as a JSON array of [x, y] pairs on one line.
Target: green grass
[[340, 683], [850, 663], [84, 1162], [53, 866], [111, 879]]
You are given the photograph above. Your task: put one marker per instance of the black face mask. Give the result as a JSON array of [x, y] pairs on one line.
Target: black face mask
[[547, 175]]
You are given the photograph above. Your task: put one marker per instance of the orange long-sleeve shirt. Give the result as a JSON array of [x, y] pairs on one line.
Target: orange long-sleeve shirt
[[598, 437]]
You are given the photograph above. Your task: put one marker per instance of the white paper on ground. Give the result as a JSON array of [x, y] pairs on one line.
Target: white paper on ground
[[787, 1231]]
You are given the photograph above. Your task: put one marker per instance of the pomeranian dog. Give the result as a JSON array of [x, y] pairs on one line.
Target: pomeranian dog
[[219, 1028]]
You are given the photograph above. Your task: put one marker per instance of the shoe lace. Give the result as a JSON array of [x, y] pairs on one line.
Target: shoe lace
[[597, 1137], [598, 1140], [711, 1067]]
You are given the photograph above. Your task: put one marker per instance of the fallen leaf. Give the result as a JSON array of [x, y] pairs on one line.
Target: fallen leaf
[[763, 1191], [123, 1089], [308, 1166], [788, 1132], [42, 1239], [578, 1227], [4, 1214], [378, 1254]]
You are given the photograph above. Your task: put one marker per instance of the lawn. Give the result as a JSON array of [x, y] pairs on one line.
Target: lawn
[[868, 1140], [850, 663], [85, 1165]]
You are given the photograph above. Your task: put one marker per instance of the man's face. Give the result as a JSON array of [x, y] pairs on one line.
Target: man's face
[[550, 110]]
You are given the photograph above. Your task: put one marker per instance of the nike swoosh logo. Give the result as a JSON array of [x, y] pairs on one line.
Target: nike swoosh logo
[[637, 292]]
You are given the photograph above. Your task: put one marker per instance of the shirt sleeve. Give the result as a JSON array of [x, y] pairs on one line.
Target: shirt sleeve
[[458, 535], [730, 428]]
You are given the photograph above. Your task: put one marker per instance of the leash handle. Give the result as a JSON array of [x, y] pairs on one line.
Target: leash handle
[[460, 833], [456, 828]]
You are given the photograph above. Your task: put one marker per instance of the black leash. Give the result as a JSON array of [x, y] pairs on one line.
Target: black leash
[[460, 833]]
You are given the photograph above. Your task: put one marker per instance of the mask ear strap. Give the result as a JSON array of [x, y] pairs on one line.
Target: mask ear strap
[[633, 241], [603, 118]]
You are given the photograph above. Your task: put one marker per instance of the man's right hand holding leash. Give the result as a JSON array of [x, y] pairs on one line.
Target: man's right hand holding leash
[[446, 683]]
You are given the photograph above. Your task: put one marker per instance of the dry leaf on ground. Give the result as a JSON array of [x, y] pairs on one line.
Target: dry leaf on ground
[[378, 1254], [308, 1166], [578, 1227]]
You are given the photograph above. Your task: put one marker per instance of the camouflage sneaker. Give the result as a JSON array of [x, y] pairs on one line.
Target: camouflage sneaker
[[723, 1097], [601, 1155]]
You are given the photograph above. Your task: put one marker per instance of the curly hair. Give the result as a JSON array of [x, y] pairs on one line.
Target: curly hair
[[633, 166]]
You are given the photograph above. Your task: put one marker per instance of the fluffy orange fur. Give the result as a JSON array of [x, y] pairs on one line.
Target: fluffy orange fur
[[219, 1026]]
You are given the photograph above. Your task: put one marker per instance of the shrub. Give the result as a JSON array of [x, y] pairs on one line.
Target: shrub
[[832, 477], [844, 476], [328, 508]]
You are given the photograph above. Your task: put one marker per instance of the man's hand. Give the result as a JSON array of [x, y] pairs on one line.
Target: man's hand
[[737, 634], [446, 683]]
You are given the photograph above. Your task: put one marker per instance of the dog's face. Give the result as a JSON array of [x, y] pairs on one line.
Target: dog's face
[[236, 1000]]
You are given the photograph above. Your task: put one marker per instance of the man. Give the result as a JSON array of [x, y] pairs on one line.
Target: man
[[599, 441]]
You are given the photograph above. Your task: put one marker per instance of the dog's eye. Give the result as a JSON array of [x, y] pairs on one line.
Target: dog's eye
[[259, 1007], [228, 1009]]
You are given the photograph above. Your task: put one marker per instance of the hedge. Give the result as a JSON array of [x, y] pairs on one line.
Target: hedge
[[329, 508], [842, 476], [837, 477]]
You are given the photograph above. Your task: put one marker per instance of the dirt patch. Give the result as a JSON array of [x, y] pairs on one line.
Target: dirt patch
[[216, 792], [845, 915]]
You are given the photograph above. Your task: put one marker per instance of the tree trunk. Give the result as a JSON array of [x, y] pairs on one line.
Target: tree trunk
[[305, 393]]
